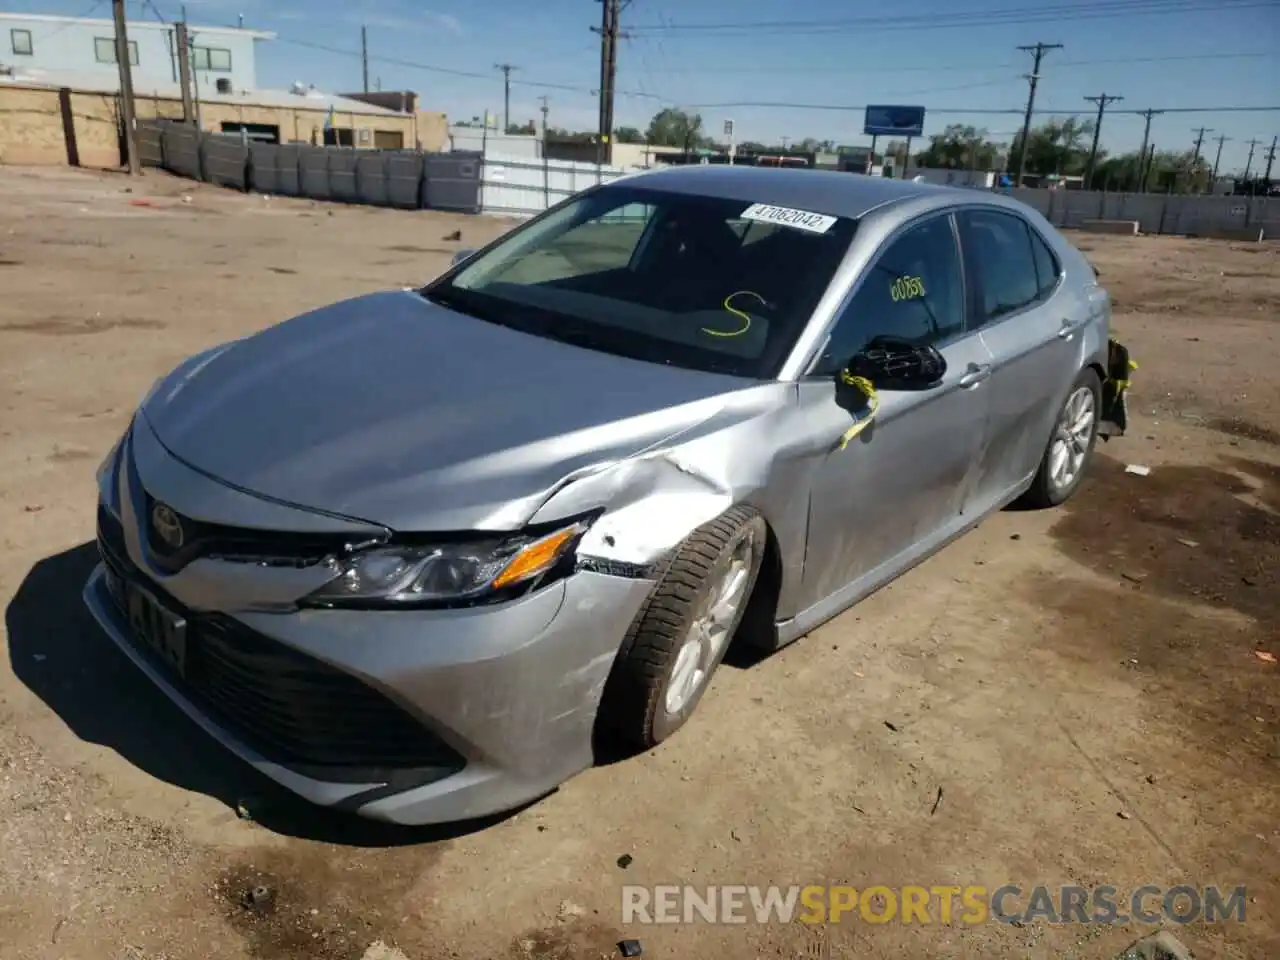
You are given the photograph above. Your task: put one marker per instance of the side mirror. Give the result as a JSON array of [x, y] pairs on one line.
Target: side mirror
[[892, 364], [462, 255]]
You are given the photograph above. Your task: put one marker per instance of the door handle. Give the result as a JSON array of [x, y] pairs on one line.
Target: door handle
[[1068, 329], [976, 374]]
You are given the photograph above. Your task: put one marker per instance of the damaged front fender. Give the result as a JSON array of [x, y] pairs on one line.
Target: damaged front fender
[[654, 502], [655, 499]]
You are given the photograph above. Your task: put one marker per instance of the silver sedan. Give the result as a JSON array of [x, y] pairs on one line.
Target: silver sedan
[[414, 554]]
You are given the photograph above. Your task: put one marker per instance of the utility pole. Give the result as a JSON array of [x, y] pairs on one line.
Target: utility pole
[[544, 109], [126, 89], [1216, 161], [1195, 158], [1037, 51], [183, 44], [606, 49], [1199, 143], [611, 11], [1248, 164], [1143, 170], [1103, 101], [615, 20], [506, 69], [1271, 158], [364, 56]]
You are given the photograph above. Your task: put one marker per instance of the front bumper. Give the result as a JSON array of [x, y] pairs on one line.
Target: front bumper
[[412, 717]]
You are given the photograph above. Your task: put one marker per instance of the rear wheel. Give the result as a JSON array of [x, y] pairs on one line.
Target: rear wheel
[[679, 638], [1071, 444]]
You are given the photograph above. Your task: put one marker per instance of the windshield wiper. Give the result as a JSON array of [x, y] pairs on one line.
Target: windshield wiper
[[579, 337], [463, 301]]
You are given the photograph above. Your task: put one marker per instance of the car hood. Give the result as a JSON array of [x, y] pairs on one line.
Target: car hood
[[391, 409]]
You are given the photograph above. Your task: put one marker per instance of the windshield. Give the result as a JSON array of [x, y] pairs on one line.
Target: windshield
[[701, 282]]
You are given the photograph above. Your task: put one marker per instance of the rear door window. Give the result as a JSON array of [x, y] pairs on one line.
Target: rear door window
[[1002, 263]]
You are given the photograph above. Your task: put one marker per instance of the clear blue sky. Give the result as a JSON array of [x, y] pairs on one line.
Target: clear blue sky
[[1155, 53]]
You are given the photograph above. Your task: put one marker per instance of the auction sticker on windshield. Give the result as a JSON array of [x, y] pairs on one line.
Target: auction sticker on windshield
[[787, 217]]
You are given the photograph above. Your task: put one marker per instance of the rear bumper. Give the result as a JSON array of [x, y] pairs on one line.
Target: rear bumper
[[1115, 390], [461, 713]]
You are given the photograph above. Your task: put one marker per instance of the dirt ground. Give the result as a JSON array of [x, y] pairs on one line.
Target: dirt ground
[[1083, 685]]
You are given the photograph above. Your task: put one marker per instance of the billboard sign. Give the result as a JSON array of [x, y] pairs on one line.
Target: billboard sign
[[894, 121]]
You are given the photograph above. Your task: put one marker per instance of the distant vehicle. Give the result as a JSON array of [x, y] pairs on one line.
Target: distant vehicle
[[773, 160], [410, 554]]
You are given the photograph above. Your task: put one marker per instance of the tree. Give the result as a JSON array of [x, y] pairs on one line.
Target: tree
[[528, 129], [1123, 172], [1056, 146], [959, 146], [675, 128], [1165, 171], [628, 135], [561, 135]]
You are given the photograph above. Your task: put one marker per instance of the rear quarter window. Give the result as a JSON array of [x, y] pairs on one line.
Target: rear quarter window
[[1048, 269]]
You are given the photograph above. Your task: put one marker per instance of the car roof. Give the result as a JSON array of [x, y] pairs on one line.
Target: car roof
[[832, 192]]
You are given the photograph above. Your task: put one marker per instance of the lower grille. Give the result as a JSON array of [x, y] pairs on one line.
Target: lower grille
[[291, 708], [303, 710]]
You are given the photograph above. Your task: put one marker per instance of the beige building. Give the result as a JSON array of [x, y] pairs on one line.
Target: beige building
[[75, 120]]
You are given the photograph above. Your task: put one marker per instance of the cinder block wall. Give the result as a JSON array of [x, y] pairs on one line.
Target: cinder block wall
[[31, 124]]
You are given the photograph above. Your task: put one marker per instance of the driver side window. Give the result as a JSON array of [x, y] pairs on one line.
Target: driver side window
[[913, 291]]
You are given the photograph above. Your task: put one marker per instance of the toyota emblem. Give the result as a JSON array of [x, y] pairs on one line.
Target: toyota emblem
[[167, 525]]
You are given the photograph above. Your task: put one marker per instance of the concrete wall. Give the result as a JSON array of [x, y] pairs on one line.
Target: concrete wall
[[624, 154], [1158, 213], [31, 124], [514, 185], [512, 145], [31, 128], [66, 43]]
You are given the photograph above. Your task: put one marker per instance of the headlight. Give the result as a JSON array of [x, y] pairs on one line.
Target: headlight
[[105, 476], [410, 575]]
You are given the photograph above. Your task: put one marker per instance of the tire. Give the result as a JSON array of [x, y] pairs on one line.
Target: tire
[[1049, 489], [641, 703]]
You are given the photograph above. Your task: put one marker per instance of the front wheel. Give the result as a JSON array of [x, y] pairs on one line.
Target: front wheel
[[674, 646], [1070, 448]]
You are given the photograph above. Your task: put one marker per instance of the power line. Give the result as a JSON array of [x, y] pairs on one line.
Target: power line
[[451, 72], [971, 67], [963, 111], [1033, 78], [1103, 101], [1009, 16], [741, 104], [70, 22]]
